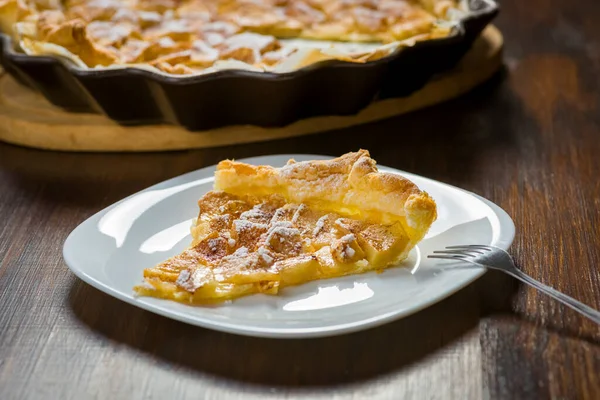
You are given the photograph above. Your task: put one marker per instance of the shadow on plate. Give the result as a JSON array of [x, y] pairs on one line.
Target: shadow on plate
[[301, 362]]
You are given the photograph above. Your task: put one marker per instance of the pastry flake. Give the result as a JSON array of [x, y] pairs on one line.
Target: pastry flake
[[264, 228]]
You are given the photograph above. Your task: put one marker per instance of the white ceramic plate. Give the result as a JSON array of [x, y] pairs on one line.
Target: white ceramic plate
[[110, 250]]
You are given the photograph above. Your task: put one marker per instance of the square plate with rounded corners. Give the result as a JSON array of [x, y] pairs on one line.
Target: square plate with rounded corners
[[111, 249]]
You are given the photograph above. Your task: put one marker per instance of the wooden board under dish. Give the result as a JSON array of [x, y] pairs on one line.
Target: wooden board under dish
[[27, 119]]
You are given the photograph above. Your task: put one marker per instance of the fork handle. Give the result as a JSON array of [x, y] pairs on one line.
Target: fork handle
[[578, 306]]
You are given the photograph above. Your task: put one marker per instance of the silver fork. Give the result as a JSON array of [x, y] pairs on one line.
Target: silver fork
[[495, 258]]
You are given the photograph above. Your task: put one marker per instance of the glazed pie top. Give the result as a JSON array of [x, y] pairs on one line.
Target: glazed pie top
[[190, 36], [265, 228]]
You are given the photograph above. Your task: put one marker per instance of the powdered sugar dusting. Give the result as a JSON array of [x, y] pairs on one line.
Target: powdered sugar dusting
[[241, 252], [191, 281], [340, 222], [264, 254], [280, 213], [213, 244], [282, 224], [255, 213], [299, 210], [183, 277], [349, 251], [346, 240], [319, 225], [283, 229], [242, 225]]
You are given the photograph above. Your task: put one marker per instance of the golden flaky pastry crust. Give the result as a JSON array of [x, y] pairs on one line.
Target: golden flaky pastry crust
[[350, 185], [183, 37], [265, 228]]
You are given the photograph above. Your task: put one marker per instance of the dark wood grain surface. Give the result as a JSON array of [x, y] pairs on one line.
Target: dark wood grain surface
[[529, 140]]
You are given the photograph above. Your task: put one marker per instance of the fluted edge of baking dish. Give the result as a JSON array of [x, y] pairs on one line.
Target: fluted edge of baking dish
[[132, 96]]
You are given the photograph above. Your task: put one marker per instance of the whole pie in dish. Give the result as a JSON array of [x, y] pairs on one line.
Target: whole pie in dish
[[264, 228], [186, 37]]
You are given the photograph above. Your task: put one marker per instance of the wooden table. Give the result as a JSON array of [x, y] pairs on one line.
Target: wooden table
[[529, 140]]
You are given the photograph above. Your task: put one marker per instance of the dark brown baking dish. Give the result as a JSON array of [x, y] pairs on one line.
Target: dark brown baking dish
[[133, 96]]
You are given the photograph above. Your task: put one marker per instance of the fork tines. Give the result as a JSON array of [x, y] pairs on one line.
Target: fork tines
[[471, 246], [448, 256], [461, 252]]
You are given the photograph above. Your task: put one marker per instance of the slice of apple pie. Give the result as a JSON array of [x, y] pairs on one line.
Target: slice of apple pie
[[265, 228]]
